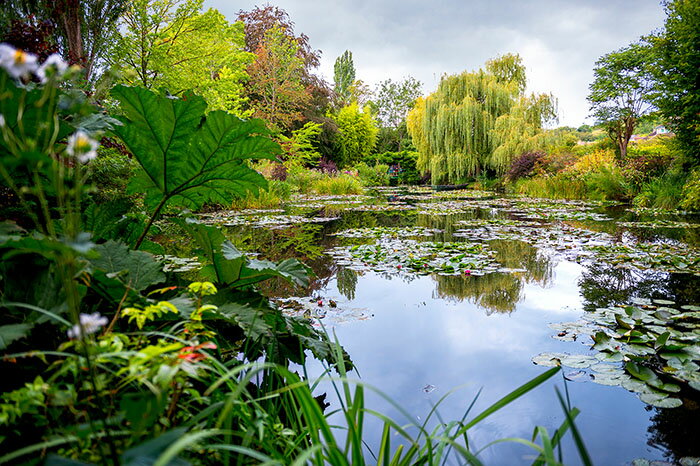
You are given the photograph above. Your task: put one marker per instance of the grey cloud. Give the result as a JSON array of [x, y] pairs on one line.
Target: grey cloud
[[558, 39]]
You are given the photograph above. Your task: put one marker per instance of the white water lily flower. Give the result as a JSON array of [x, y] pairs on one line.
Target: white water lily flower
[[91, 323], [82, 147], [53, 66], [16, 62]]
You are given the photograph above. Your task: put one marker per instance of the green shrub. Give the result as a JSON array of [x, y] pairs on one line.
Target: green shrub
[[276, 192], [109, 173], [559, 186], [608, 183], [373, 176], [691, 192], [303, 180], [406, 159], [343, 184], [665, 192]]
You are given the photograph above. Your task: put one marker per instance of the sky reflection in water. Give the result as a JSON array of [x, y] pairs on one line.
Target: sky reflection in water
[[417, 338]]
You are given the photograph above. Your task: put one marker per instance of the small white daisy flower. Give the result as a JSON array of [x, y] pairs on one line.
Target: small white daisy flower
[[91, 323], [16, 62], [53, 66], [82, 147]]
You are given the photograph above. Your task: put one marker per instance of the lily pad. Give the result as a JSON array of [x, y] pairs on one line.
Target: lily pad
[[660, 401]]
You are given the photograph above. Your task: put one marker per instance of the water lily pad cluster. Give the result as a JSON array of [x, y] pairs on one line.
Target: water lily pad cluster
[[668, 257], [557, 239], [381, 207], [422, 257], [447, 207], [562, 214], [660, 224], [651, 348], [388, 232], [267, 221], [488, 222], [332, 311], [179, 264]]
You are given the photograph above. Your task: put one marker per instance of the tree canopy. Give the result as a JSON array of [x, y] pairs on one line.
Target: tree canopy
[[175, 46], [621, 91], [344, 77], [357, 133], [478, 120], [677, 71]]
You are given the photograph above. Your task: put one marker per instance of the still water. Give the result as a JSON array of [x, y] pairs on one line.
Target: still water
[[418, 336]]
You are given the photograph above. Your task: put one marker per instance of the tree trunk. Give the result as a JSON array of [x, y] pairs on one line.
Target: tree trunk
[[69, 15]]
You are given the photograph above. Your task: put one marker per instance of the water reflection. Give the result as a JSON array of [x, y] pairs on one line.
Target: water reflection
[[677, 431], [450, 330], [499, 292], [604, 285], [347, 282]]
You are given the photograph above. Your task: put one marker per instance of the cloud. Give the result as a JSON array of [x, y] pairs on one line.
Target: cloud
[[558, 40]]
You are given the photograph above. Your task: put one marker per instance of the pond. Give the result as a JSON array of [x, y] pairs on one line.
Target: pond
[[434, 292]]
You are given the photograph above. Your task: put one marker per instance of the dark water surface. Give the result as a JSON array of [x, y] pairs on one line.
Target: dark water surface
[[416, 337]]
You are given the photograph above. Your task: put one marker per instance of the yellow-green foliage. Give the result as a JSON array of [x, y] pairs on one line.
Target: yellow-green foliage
[[304, 180], [299, 148], [276, 192], [593, 161], [478, 119], [343, 184], [559, 186], [691, 192], [357, 133], [376, 175]]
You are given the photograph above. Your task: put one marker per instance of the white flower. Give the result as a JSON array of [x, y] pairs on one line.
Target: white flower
[[16, 62], [2, 121], [82, 146], [90, 323], [53, 66]]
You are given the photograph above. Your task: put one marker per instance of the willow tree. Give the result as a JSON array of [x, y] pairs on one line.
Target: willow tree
[[477, 120]]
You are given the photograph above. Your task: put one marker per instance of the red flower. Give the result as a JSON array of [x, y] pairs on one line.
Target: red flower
[[191, 353]]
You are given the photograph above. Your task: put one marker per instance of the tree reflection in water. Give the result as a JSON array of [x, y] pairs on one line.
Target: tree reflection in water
[[500, 292]]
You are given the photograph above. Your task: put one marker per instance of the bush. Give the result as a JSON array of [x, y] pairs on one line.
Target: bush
[[608, 183], [304, 180], [276, 192], [665, 192], [278, 172], [373, 176], [559, 186], [109, 173], [406, 159], [328, 167], [524, 164], [343, 184], [648, 159], [691, 192]]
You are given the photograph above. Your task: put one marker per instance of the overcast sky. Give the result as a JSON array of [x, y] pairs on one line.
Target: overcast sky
[[559, 40]]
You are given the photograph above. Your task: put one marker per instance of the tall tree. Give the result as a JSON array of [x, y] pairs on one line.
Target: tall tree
[[357, 134], [677, 71], [277, 93], [344, 78], [257, 23], [84, 32], [477, 120], [395, 99], [259, 20], [621, 91], [171, 44]]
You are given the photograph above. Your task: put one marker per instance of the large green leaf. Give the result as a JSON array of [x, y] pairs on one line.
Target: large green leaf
[[188, 158], [229, 266], [10, 333], [135, 269]]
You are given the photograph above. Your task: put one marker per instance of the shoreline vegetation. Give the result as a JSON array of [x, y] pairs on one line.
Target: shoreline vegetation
[[136, 330]]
